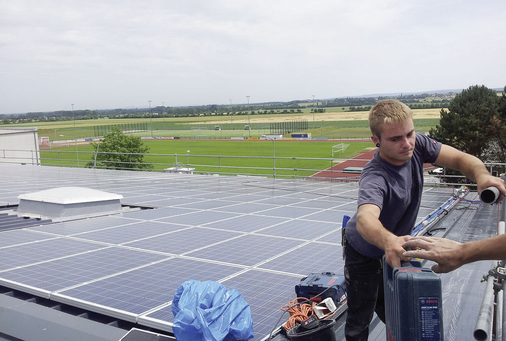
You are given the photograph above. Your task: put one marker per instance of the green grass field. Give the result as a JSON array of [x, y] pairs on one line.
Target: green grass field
[[212, 150], [322, 129], [299, 158]]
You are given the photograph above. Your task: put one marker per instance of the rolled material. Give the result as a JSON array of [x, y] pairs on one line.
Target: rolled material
[[489, 195]]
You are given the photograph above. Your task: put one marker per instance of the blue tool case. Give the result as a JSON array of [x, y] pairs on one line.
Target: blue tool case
[[413, 303], [322, 285]]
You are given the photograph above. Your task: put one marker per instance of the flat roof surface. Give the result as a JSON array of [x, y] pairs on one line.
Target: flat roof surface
[[11, 130], [257, 235]]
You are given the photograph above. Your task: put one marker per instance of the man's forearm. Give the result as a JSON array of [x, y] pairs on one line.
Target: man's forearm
[[472, 167], [371, 229], [469, 165], [491, 248]]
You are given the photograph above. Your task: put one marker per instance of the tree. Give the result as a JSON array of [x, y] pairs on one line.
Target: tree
[[119, 151], [498, 127], [473, 123]]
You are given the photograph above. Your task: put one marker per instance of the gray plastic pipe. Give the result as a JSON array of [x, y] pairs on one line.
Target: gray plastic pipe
[[501, 230], [489, 195], [483, 329], [499, 315]]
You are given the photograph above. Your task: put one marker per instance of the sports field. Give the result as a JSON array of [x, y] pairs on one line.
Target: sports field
[[197, 142], [258, 157]]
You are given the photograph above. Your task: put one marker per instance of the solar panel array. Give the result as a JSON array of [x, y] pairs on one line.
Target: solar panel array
[[257, 235]]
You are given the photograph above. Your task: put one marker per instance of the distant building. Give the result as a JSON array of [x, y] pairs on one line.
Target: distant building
[[19, 145]]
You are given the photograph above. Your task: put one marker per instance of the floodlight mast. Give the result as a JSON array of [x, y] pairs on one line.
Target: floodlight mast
[[163, 115], [230, 112], [75, 135], [249, 124], [313, 113], [150, 118]]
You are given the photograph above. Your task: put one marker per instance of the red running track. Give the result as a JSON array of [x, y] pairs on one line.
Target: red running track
[[335, 173]]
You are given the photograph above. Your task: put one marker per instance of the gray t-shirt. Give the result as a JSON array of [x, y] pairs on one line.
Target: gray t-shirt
[[396, 190]]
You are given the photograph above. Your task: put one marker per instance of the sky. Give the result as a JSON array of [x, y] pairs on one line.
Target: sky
[[108, 54]]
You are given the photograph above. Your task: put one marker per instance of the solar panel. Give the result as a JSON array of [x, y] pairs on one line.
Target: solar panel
[[43, 250], [246, 250], [332, 237], [68, 228], [258, 290], [306, 229], [308, 258], [266, 292], [256, 235], [332, 215], [143, 289], [246, 223], [198, 218], [21, 236], [248, 208], [290, 212], [184, 241], [130, 232], [77, 269]]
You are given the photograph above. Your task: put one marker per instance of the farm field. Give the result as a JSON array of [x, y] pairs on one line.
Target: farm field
[[331, 125]]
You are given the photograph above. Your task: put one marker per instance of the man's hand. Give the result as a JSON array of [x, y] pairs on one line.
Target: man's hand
[[394, 251], [492, 181], [371, 229], [446, 252]]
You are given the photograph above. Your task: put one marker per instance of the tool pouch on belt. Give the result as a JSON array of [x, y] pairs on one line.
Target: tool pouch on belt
[[343, 234]]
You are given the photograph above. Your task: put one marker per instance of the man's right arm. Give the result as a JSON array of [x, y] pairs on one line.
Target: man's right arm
[[370, 228]]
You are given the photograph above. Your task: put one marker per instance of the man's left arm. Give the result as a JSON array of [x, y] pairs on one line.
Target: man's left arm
[[472, 167]]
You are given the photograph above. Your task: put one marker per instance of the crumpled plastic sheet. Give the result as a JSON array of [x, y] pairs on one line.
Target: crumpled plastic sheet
[[209, 311]]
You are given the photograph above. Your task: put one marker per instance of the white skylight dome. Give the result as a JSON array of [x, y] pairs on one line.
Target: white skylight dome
[[66, 202]]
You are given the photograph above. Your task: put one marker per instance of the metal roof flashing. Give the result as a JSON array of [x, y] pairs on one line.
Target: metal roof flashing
[[68, 202]]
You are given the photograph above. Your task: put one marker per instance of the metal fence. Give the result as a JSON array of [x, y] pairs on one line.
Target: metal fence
[[266, 166]]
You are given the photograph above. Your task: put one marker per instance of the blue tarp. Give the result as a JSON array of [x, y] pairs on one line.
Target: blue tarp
[[209, 311]]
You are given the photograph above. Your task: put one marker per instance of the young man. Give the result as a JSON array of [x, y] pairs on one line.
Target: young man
[[390, 192]]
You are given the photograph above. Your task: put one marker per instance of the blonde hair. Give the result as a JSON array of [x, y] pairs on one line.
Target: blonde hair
[[387, 111]]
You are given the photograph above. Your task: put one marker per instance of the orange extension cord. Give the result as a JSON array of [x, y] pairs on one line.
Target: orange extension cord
[[298, 311]]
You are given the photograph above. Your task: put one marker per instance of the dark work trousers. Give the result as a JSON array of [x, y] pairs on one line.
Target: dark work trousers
[[364, 283]]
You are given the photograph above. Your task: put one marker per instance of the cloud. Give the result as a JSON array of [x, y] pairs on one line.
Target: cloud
[[108, 54]]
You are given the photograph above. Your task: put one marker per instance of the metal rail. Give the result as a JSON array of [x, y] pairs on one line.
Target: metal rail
[[492, 310], [502, 229], [483, 329], [266, 166]]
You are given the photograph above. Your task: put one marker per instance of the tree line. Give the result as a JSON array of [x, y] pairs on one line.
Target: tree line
[[417, 101]]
